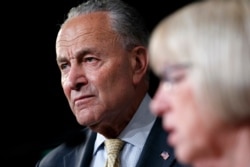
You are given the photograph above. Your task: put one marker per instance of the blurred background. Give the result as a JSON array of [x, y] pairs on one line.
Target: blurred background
[[35, 115]]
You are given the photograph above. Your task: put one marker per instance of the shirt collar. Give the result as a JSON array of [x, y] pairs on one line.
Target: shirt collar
[[137, 130]]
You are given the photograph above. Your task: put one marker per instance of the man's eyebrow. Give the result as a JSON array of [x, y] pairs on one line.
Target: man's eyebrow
[[61, 59], [77, 55]]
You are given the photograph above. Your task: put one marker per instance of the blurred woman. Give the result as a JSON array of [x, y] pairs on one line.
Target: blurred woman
[[201, 53]]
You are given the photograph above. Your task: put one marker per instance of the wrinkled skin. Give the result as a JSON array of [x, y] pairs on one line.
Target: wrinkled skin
[[102, 81]]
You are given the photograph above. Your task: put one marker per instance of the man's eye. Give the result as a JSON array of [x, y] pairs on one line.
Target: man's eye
[[63, 66], [90, 59]]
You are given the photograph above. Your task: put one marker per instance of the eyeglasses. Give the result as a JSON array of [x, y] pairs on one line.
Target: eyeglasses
[[173, 75]]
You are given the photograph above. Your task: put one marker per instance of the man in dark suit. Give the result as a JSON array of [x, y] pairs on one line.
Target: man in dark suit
[[102, 55]]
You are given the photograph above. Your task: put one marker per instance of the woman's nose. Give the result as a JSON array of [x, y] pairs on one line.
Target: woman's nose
[[160, 102]]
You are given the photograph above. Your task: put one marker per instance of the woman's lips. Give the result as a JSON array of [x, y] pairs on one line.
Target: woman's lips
[[171, 136]]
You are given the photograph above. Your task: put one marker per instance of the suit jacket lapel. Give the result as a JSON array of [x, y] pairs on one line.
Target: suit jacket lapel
[[82, 156], [154, 146], [151, 153]]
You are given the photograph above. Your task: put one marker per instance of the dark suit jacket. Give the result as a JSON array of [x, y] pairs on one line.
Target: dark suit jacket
[[77, 152]]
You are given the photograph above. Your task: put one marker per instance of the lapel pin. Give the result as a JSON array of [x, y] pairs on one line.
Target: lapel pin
[[165, 155]]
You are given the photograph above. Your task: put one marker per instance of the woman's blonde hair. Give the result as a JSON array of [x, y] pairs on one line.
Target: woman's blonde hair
[[214, 37]]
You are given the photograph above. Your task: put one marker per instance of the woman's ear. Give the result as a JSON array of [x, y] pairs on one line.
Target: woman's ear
[[139, 63]]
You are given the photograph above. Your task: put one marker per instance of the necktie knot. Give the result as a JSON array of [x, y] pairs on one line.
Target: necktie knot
[[113, 147]]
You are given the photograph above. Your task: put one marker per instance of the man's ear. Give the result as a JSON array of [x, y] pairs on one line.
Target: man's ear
[[139, 63]]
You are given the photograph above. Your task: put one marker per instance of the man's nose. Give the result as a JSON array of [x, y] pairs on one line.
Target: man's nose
[[76, 77]]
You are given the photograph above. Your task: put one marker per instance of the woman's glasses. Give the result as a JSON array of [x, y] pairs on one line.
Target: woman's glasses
[[173, 75]]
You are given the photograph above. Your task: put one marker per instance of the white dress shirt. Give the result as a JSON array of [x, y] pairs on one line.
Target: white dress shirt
[[134, 135]]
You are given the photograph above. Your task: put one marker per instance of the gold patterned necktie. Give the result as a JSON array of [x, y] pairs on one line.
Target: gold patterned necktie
[[113, 147]]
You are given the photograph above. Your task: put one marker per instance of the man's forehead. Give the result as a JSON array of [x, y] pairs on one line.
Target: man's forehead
[[94, 24]]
